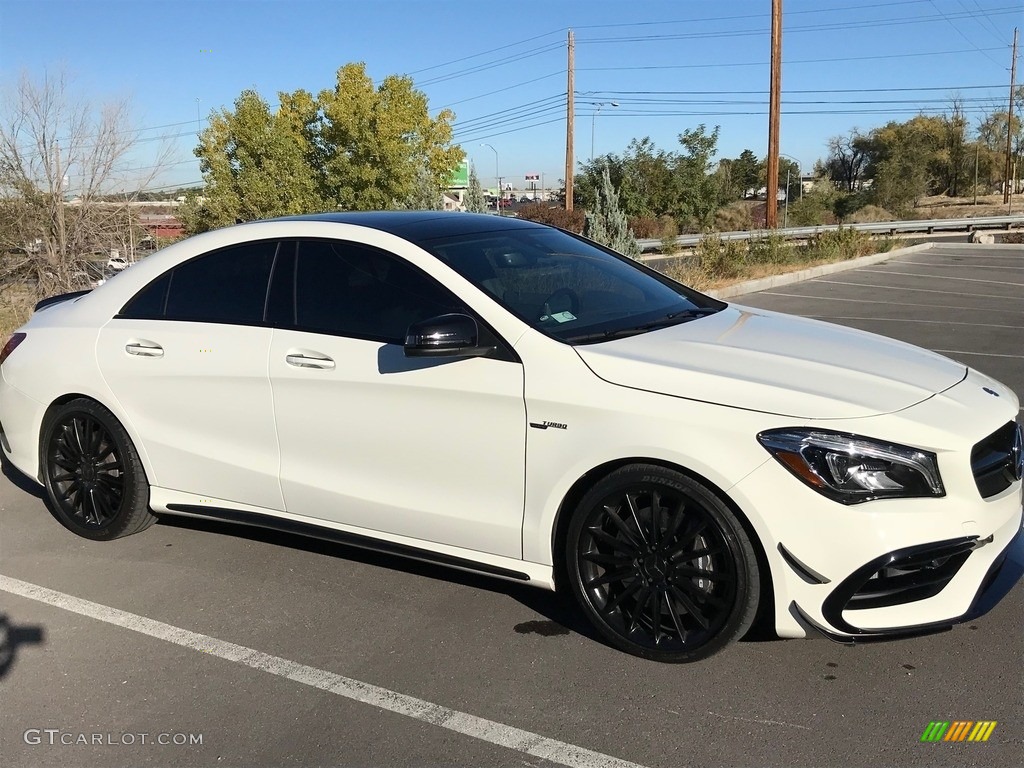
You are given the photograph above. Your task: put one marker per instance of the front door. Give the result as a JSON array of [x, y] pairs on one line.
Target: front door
[[431, 449]]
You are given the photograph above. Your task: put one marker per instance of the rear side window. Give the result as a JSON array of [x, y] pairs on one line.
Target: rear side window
[[149, 303], [226, 286]]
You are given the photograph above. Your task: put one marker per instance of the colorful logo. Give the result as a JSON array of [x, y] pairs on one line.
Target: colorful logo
[[959, 730]]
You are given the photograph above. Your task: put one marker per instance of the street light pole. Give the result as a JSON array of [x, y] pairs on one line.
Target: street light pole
[[593, 122], [785, 219], [497, 178], [800, 170]]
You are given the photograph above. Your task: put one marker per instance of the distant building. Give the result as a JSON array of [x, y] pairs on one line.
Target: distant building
[[164, 226]]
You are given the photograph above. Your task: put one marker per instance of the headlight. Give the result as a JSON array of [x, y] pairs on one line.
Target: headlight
[[851, 469]]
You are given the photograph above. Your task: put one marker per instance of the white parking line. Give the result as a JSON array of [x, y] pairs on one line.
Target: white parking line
[[1014, 312], [903, 320], [460, 722], [938, 277], [917, 290], [976, 354], [950, 266]]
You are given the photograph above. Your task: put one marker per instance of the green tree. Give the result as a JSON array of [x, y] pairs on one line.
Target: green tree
[[375, 140], [647, 187], [607, 224], [256, 163], [475, 201], [745, 172], [642, 175], [789, 171], [905, 162], [425, 195], [951, 160], [992, 149], [699, 194], [355, 147]]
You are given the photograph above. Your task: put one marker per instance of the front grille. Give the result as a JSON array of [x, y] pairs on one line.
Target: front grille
[[994, 461], [910, 577]]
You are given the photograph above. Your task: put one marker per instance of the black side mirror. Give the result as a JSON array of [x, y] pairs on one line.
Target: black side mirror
[[452, 335]]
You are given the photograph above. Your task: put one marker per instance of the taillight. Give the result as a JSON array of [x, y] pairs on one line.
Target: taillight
[[11, 345]]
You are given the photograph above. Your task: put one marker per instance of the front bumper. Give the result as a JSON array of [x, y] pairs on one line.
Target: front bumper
[[1006, 570]]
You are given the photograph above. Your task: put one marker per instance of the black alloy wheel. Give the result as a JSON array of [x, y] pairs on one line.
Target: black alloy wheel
[[92, 473], [661, 566]]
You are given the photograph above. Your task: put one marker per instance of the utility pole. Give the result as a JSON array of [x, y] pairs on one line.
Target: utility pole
[[570, 127], [774, 110], [1009, 120]]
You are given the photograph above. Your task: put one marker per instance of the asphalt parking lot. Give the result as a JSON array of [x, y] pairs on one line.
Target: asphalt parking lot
[[228, 646]]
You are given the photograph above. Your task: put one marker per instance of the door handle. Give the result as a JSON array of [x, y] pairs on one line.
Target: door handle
[[308, 361], [144, 349]]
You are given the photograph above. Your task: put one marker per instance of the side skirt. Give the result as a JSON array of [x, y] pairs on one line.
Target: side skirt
[[287, 525]]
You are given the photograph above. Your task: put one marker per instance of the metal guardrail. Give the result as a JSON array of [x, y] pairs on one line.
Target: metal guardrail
[[874, 228]]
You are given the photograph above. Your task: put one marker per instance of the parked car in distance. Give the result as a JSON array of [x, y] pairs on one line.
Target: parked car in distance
[[507, 398]]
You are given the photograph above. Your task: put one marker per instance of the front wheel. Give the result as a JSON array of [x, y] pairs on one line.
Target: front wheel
[[93, 476], [661, 566]]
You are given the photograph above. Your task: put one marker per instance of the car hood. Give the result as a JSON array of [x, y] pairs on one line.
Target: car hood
[[775, 363]]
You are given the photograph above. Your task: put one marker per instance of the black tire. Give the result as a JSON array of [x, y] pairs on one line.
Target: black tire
[[661, 566], [94, 479]]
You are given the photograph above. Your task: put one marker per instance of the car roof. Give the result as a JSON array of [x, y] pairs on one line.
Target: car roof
[[421, 226]]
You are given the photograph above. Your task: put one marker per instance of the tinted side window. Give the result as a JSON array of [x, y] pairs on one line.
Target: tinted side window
[[226, 286], [351, 289], [281, 297], [148, 303]]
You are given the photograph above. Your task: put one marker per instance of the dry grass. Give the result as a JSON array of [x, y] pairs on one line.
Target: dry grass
[[694, 277], [942, 207], [16, 304], [717, 263]]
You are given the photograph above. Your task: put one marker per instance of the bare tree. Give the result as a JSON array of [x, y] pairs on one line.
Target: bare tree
[[847, 159], [65, 182]]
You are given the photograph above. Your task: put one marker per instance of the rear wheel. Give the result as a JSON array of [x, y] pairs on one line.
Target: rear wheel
[[661, 566], [93, 476]]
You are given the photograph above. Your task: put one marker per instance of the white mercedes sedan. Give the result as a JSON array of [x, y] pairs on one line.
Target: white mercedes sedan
[[506, 398]]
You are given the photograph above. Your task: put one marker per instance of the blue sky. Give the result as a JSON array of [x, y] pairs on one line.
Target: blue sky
[[500, 65]]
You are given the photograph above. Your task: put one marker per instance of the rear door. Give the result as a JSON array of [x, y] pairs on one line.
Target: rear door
[[187, 359]]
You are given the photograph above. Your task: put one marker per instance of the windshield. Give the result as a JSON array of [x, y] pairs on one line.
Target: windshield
[[567, 287]]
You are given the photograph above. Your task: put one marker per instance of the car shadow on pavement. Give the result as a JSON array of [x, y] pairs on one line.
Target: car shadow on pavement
[[23, 483], [12, 637], [557, 610]]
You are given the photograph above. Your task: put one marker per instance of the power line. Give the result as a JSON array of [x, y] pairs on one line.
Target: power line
[[560, 119], [489, 65], [788, 62], [695, 20], [510, 120], [899, 21], [501, 90], [559, 97], [607, 94], [987, 21], [961, 32], [713, 102], [488, 52], [743, 113]]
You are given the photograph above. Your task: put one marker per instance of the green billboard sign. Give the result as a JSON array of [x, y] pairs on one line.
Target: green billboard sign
[[460, 176]]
